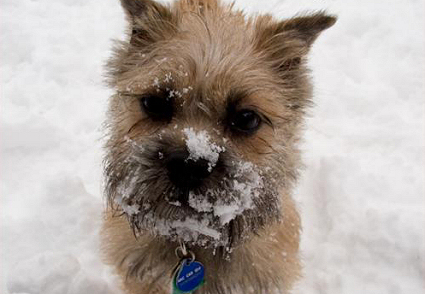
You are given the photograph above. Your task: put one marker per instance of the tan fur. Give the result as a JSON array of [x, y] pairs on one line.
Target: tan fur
[[270, 257], [219, 54]]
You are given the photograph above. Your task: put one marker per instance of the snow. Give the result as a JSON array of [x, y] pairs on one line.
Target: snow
[[200, 146], [240, 186], [199, 203], [189, 229], [245, 185], [361, 194]]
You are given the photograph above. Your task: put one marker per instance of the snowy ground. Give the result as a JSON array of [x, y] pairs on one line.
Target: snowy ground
[[362, 193]]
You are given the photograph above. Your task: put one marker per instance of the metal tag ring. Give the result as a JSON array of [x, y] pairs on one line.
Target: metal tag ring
[[189, 254]]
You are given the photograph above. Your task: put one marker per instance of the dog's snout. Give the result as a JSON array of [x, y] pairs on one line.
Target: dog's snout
[[187, 173]]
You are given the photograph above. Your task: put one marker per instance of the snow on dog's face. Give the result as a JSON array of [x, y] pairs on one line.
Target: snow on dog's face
[[185, 184], [204, 125]]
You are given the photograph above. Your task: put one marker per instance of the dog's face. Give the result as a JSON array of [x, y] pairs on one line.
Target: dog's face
[[204, 125]]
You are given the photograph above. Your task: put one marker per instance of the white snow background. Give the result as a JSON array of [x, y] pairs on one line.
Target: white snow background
[[361, 195]]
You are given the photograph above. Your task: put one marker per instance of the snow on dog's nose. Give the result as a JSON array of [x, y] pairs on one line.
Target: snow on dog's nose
[[187, 173], [187, 169]]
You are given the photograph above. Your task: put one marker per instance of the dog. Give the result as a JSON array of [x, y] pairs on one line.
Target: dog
[[202, 147]]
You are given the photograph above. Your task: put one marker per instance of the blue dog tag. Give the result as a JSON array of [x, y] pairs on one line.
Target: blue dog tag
[[189, 276]]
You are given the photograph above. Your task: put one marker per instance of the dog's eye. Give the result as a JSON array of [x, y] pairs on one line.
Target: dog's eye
[[245, 121], [158, 108]]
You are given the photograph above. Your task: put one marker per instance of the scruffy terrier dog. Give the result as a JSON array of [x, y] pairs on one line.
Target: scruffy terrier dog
[[202, 148]]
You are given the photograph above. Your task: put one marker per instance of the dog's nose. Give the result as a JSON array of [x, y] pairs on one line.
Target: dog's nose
[[186, 173]]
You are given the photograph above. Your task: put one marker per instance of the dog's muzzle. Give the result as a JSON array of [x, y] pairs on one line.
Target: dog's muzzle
[[185, 173]]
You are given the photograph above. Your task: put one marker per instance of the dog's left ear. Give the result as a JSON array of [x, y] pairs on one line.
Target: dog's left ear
[[286, 43], [150, 21]]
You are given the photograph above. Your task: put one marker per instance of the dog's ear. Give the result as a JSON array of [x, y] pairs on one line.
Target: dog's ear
[[150, 21], [286, 43]]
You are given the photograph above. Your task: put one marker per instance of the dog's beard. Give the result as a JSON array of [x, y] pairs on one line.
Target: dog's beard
[[229, 206]]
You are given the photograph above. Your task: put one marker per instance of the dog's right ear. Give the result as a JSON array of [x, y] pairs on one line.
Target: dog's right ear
[[286, 43], [150, 21]]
